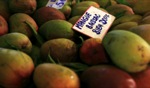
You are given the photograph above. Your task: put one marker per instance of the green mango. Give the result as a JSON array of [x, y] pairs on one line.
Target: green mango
[[16, 41], [127, 50]]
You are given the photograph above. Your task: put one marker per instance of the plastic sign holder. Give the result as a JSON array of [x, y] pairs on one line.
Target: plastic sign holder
[[58, 4], [94, 23]]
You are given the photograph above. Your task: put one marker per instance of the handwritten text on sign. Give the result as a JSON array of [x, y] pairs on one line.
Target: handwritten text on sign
[[58, 4], [94, 23]]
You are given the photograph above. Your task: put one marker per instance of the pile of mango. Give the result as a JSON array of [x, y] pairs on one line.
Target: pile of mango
[[40, 49]]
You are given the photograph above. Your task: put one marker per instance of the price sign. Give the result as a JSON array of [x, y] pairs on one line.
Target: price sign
[[94, 23], [58, 4]]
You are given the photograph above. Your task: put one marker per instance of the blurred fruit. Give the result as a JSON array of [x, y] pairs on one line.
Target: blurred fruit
[[127, 49], [73, 19], [146, 14], [145, 20], [35, 55], [103, 3], [141, 7], [79, 8], [143, 31], [41, 3], [3, 26], [92, 52], [16, 41], [44, 14], [56, 29], [60, 49], [16, 68], [127, 18], [17, 24], [142, 78], [48, 75], [119, 10], [125, 26], [66, 10], [106, 76], [127, 2], [22, 6], [4, 9]]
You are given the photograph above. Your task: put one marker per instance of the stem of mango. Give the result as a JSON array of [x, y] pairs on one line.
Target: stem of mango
[[36, 35]]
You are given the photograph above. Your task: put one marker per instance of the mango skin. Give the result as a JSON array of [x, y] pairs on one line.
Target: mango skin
[[48, 75], [56, 29], [127, 50], [61, 50], [17, 24], [22, 6], [16, 67], [17, 41]]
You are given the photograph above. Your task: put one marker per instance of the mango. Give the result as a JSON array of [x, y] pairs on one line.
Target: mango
[[66, 10], [119, 10], [145, 20], [106, 76], [73, 19], [141, 7], [48, 75], [143, 31], [60, 50], [17, 24], [16, 68], [80, 8], [56, 29], [45, 14], [16, 41], [22, 6], [125, 26], [127, 50], [92, 52], [128, 18], [3, 26]]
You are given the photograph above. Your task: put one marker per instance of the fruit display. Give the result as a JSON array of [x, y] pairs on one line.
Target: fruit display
[[39, 47]]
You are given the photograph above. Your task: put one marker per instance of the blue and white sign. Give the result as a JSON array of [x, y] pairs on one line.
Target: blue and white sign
[[58, 4], [94, 23]]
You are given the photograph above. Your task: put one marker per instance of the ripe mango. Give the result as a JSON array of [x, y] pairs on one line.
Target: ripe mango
[[22, 6], [143, 31], [16, 68], [3, 26], [48, 75], [56, 29], [127, 50], [80, 8], [141, 6], [17, 24], [45, 14], [60, 49], [17, 41], [119, 9]]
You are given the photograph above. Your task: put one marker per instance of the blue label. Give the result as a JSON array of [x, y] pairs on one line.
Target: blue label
[[98, 29], [83, 20], [58, 4], [53, 0], [93, 21]]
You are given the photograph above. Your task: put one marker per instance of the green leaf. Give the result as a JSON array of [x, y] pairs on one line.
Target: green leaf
[[36, 35], [120, 14], [76, 66]]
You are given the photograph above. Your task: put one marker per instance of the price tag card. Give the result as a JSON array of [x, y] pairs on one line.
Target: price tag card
[[94, 23], [58, 4]]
